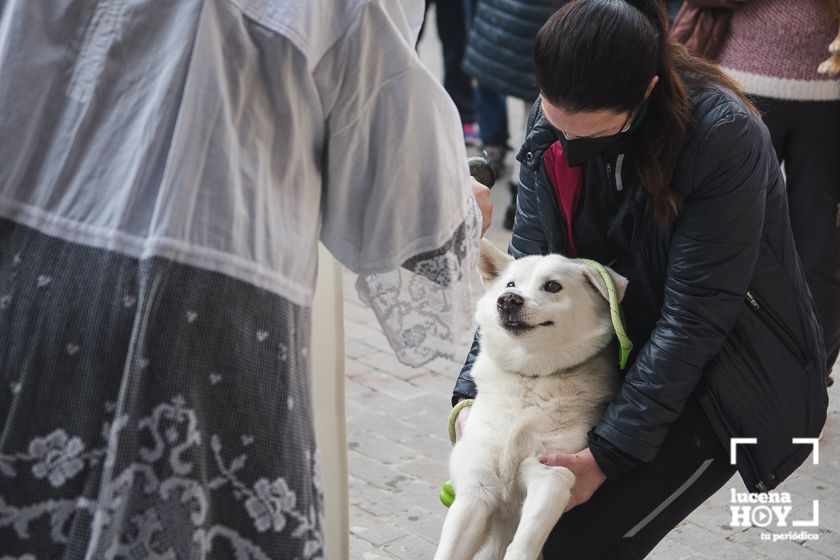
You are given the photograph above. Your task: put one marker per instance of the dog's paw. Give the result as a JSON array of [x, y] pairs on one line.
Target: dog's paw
[[830, 67], [834, 47]]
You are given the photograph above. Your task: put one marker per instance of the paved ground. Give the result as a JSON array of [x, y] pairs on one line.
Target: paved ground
[[398, 449]]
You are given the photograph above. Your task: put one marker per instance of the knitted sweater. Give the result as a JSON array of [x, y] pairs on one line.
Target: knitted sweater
[[774, 47]]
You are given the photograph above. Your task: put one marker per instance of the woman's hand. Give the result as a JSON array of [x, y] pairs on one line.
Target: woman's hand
[[461, 422], [588, 475], [482, 198]]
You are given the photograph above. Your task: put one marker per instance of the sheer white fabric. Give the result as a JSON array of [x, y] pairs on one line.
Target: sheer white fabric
[[232, 135], [426, 305]]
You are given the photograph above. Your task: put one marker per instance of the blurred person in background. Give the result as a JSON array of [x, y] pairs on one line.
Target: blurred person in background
[[500, 56], [773, 49], [491, 114], [168, 171], [451, 20]]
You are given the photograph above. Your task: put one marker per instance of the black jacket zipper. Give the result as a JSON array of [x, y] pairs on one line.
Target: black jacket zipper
[[772, 322]]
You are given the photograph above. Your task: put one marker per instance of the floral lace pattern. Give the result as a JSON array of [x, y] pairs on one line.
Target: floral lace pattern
[[154, 423], [425, 307], [58, 457]]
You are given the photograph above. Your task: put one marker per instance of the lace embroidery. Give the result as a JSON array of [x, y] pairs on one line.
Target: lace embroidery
[[165, 473], [425, 307]]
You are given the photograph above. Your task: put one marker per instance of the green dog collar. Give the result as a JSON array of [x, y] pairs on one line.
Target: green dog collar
[[453, 415], [616, 314]]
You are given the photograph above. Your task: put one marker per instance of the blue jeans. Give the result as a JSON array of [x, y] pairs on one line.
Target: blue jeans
[[491, 111]]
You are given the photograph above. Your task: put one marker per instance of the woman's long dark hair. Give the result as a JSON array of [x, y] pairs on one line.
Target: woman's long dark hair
[[602, 54]]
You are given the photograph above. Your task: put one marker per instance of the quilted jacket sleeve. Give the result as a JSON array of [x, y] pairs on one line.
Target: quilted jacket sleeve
[[528, 231], [703, 25], [711, 257]]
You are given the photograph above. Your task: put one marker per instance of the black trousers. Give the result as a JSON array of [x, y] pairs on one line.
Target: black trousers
[[806, 135], [451, 22], [629, 515]]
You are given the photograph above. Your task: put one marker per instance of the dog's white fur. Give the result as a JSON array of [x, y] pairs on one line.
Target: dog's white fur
[[541, 389]]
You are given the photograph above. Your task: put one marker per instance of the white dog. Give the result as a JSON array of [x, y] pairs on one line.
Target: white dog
[[546, 371]]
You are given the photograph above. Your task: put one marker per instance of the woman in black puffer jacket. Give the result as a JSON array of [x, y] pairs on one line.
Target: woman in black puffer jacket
[[653, 162]]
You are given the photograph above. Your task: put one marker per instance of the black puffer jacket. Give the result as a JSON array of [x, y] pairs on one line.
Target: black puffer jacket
[[500, 52], [755, 363]]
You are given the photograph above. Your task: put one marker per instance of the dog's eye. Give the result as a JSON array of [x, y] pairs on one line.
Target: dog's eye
[[552, 287], [511, 285]]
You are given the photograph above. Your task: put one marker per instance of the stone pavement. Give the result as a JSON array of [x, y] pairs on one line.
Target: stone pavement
[[398, 446]]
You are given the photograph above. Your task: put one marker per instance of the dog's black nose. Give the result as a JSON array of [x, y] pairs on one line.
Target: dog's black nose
[[509, 302]]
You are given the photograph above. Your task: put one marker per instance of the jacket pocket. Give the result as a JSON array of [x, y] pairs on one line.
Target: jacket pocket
[[772, 322]]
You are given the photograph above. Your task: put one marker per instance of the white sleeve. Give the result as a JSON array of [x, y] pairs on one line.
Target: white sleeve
[[398, 207]]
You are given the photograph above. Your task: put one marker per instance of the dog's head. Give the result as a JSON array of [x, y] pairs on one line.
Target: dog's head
[[542, 313]]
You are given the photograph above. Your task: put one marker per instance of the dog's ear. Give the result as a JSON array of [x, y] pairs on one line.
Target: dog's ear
[[491, 261], [595, 279]]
